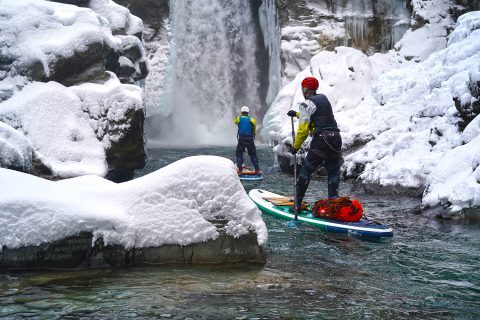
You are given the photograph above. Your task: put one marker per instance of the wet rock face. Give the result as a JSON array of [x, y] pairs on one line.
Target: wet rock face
[[309, 27], [77, 252], [367, 25]]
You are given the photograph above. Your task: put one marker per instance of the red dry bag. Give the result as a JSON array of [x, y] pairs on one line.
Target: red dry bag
[[343, 209]]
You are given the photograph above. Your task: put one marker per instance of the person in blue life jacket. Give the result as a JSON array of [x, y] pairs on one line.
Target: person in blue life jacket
[[316, 118], [246, 139]]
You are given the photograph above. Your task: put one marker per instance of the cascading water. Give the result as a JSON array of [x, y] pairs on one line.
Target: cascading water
[[213, 71]]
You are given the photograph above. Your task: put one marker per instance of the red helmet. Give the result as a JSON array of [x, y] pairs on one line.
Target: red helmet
[[310, 83]]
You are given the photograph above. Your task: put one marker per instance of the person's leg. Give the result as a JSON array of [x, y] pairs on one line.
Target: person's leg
[[239, 154], [333, 175], [312, 161], [333, 164], [252, 152]]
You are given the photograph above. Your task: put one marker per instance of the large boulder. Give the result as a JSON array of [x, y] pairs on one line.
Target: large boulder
[[77, 252], [65, 45], [68, 48], [192, 211], [87, 129]]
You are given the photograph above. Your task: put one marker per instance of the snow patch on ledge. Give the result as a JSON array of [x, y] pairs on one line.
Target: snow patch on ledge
[[172, 205]]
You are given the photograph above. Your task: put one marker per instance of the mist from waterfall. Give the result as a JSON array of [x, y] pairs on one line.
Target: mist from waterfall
[[213, 71]]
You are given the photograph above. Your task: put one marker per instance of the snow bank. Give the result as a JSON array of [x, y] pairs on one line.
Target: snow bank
[[169, 206], [69, 128], [345, 77], [416, 124], [40, 32], [419, 43], [456, 178], [403, 113]]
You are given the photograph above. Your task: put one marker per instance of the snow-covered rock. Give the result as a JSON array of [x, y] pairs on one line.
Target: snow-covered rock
[[98, 127], [51, 41], [177, 205], [73, 130], [120, 19], [46, 40]]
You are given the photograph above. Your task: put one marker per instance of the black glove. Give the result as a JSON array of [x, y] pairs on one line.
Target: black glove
[[292, 113], [291, 149]]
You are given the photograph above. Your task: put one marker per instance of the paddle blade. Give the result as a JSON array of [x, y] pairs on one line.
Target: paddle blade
[[293, 224]]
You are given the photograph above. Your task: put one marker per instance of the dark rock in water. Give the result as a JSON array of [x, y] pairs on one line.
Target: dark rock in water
[[373, 188], [439, 211], [77, 252]]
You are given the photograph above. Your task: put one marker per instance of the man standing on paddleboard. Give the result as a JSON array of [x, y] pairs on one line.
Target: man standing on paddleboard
[[316, 116], [246, 139]]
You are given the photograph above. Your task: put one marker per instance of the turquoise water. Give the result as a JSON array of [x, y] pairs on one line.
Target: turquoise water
[[428, 270]]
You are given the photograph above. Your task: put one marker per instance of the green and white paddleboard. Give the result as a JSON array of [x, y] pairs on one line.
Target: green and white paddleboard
[[363, 228]]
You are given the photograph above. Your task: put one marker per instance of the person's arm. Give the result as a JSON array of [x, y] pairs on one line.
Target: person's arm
[[254, 126], [306, 109], [237, 120]]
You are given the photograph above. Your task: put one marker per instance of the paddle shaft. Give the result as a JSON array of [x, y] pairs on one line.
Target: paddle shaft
[[295, 204]]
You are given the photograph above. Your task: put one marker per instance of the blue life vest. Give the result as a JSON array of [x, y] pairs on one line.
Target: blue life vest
[[245, 126]]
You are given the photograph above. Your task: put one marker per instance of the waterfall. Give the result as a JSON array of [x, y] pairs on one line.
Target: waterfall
[[213, 71]]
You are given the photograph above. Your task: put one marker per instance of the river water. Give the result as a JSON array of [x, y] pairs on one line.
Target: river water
[[428, 270]]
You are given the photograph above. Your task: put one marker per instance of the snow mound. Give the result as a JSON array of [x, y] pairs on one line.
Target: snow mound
[[70, 127], [172, 205]]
